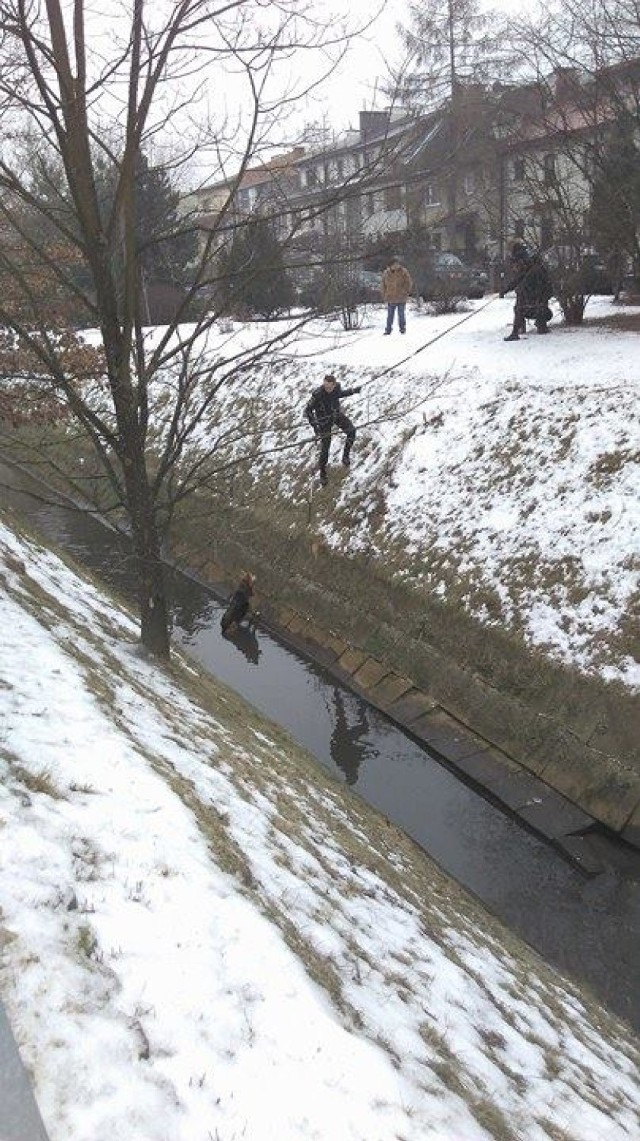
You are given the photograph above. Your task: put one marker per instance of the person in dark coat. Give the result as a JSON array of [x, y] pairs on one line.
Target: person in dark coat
[[349, 744], [323, 411], [239, 604], [533, 287]]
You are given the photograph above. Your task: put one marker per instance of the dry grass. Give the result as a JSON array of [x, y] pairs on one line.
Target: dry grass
[[39, 781], [611, 464], [619, 322]]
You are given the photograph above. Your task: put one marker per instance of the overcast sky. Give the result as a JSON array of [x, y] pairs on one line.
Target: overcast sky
[[358, 79]]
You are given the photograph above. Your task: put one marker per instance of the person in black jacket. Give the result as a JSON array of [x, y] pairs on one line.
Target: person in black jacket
[[533, 287], [239, 604], [323, 411]]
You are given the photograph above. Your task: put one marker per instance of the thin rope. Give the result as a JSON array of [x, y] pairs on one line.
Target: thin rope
[[431, 341]]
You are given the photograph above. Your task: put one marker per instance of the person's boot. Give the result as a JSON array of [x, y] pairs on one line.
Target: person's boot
[[541, 327], [387, 332], [346, 462], [323, 479], [513, 336]]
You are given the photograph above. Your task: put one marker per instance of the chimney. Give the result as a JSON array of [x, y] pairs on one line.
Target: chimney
[[566, 82], [373, 124]]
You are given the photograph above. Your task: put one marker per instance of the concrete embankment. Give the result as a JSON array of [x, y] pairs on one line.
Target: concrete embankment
[[19, 1115], [557, 748]]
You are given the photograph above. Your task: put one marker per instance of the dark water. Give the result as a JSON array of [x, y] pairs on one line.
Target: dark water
[[588, 928]]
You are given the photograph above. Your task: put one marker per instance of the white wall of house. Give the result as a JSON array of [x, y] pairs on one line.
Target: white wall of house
[[548, 195]]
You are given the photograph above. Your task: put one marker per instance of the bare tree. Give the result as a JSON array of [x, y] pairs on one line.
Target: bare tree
[[82, 91]]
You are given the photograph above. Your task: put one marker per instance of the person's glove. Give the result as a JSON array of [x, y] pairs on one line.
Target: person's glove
[[358, 389]]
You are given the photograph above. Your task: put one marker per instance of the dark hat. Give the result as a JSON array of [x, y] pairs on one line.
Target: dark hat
[[519, 250], [329, 377]]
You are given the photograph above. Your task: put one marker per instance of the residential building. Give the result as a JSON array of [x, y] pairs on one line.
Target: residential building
[[489, 165]]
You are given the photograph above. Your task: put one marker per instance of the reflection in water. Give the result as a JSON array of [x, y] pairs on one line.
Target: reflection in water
[[191, 611], [348, 745], [246, 640]]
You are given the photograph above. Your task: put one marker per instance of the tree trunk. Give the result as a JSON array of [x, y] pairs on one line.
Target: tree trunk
[[154, 610], [573, 306], [152, 597]]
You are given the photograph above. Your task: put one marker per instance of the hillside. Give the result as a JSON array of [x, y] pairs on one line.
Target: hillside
[[203, 936], [500, 479], [503, 478]]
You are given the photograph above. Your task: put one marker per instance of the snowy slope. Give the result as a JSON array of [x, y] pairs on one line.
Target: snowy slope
[[202, 937], [508, 473]]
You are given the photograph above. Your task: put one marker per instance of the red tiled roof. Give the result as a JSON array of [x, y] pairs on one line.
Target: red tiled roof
[[265, 172]]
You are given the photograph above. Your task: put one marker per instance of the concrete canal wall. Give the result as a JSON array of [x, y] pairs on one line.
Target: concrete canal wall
[[517, 723]]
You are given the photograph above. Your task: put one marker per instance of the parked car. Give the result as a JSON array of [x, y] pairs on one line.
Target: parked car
[[478, 282], [447, 273], [595, 275], [370, 279]]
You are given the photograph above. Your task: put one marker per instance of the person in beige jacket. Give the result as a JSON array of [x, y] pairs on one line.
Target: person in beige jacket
[[396, 287]]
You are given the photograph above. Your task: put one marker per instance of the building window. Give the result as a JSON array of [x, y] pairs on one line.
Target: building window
[[340, 168], [518, 227], [435, 240], [247, 200], [371, 204], [393, 198], [431, 195], [549, 168], [546, 233], [518, 169], [469, 182]]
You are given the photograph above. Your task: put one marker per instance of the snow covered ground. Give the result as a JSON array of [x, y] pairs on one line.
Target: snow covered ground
[[203, 939], [509, 474]]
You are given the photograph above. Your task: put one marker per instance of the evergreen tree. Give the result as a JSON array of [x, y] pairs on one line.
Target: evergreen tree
[[449, 43], [452, 46], [615, 204], [165, 247], [252, 273]]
